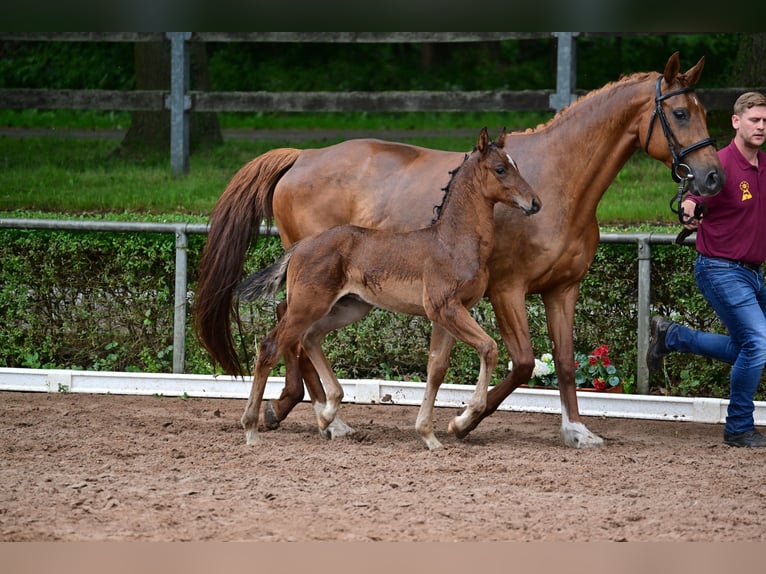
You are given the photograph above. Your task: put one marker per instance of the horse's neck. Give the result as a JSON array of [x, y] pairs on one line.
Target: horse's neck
[[466, 215], [587, 145]]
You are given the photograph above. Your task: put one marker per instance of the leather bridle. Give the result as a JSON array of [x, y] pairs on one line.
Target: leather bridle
[[676, 149]]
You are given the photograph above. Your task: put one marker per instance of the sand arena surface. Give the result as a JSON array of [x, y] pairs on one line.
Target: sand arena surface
[[76, 467]]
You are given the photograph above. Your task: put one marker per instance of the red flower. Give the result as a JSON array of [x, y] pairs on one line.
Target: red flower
[[601, 351], [599, 384]]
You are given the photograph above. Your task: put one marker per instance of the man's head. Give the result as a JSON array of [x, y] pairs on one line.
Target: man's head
[[747, 101], [749, 119]]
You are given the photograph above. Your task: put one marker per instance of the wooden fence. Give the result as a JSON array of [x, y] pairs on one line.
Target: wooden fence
[[181, 102]]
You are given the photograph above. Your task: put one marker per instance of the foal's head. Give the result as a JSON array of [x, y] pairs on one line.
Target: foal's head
[[501, 180]]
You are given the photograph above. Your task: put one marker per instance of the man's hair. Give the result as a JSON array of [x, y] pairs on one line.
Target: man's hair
[[747, 101]]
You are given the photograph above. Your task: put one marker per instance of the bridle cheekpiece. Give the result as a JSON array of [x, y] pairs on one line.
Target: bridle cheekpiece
[[676, 149]]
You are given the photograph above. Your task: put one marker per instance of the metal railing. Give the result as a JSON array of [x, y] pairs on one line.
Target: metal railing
[[181, 232]]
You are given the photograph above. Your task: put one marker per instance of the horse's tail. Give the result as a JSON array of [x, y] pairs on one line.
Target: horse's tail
[[268, 281], [236, 219]]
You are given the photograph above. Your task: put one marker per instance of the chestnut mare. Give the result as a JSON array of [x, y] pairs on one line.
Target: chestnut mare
[[438, 271], [570, 161]]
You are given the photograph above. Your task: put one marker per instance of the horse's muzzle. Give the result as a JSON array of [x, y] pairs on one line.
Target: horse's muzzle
[[708, 185], [534, 208]]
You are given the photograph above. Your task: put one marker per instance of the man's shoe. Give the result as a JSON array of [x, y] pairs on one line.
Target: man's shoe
[[748, 439], [657, 349]]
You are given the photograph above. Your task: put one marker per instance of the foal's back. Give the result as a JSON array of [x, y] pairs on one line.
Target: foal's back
[[390, 270]]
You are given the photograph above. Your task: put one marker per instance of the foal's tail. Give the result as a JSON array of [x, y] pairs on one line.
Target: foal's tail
[[235, 222], [268, 281]]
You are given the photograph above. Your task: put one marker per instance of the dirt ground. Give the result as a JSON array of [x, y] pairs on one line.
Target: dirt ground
[[76, 467]]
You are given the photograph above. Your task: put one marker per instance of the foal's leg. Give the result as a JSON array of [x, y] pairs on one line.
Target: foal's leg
[[312, 346], [438, 362], [299, 369], [268, 356], [458, 321], [285, 335], [274, 411], [511, 317]]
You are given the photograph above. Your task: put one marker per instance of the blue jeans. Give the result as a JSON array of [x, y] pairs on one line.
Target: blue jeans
[[738, 296]]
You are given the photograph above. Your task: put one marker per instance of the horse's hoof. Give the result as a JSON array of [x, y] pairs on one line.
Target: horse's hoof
[[251, 437], [433, 444], [338, 429], [325, 434], [453, 429], [270, 419], [459, 427], [577, 435]]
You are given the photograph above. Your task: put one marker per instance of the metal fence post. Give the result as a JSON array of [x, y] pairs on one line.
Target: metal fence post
[[642, 334], [179, 101], [566, 70], [179, 315]]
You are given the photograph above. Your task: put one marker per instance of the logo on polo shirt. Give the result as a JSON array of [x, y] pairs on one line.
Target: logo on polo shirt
[[745, 187]]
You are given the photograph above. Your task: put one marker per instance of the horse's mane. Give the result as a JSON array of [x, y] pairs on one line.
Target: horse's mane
[[638, 77], [446, 189]]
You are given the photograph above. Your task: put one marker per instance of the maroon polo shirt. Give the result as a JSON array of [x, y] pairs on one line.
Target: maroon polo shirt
[[735, 224]]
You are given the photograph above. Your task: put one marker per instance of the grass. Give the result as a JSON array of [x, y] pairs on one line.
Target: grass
[[75, 176]]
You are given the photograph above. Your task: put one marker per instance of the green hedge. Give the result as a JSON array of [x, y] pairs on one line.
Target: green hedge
[[104, 301]]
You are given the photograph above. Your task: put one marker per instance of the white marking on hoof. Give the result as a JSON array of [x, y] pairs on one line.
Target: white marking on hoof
[[251, 437], [577, 435], [433, 443], [459, 423], [338, 428]]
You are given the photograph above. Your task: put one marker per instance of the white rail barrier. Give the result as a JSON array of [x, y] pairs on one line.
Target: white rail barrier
[[704, 410]]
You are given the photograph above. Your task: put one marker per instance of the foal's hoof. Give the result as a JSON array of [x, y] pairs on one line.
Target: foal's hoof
[[460, 427], [270, 419]]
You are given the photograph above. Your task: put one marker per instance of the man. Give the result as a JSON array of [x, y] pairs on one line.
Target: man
[[731, 246]]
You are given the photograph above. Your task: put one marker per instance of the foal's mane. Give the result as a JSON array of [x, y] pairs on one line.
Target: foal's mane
[[447, 188]]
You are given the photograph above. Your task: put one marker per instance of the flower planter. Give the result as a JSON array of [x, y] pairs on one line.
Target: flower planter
[[615, 389]]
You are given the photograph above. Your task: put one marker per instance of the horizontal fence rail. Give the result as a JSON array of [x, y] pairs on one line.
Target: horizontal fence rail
[[180, 101], [181, 232]]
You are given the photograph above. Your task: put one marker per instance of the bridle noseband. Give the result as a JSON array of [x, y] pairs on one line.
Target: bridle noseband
[[676, 150]]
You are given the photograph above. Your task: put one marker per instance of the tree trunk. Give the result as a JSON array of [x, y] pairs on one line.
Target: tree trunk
[[750, 68], [748, 71], [150, 131]]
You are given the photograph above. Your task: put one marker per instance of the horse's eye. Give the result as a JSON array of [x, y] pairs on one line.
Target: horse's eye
[[499, 170], [681, 114]]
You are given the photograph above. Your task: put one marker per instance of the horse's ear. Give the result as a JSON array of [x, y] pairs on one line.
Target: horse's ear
[[672, 68], [693, 74], [500, 141], [483, 142]]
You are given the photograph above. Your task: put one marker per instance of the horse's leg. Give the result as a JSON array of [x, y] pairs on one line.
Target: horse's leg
[[286, 335], [268, 356], [458, 321], [299, 369], [511, 316], [345, 311], [312, 346], [438, 362], [274, 411], [559, 312]]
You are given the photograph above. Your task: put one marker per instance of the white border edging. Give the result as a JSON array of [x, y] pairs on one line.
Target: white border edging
[[368, 391]]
